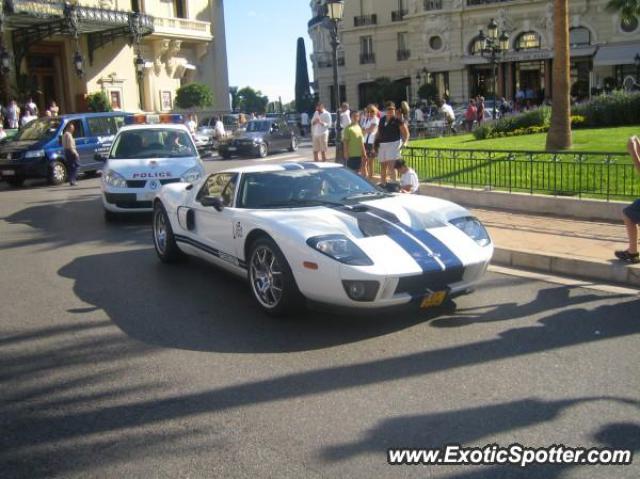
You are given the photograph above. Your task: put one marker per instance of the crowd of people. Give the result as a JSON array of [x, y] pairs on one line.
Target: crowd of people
[[14, 115], [368, 136]]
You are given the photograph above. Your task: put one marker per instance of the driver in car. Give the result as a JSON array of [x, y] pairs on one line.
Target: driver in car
[[173, 142]]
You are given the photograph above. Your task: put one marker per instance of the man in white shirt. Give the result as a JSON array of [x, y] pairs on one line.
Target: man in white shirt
[[320, 125], [419, 115], [304, 122], [447, 112], [409, 182], [218, 129], [345, 116]]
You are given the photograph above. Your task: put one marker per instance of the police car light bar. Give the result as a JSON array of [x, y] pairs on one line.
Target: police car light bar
[[153, 119]]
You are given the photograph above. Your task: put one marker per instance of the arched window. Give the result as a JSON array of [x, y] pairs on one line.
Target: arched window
[[527, 41], [579, 36]]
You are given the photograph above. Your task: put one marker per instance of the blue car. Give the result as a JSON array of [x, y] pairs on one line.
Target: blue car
[[36, 150]]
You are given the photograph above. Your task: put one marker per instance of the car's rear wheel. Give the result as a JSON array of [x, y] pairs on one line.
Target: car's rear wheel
[[272, 282], [294, 144], [263, 150], [226, 155], [57, 173], [163, 239], [16, 182]]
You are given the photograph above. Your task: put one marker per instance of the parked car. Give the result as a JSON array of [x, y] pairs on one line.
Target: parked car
[[260, 138], [36, 150]]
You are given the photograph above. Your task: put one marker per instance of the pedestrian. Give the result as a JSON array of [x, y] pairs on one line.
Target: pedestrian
[[3, 134], [480, 112], [631, 214], [320, 125], [470, 115], [354, 151], [419, 115], [392, 136], [242, 120], [345, 116], [447, 113], [28, 117], [53, 109], [370, 130], [192, 124], [409, 182], [71, 156], [13, 115], [304, 123], [31, 107]]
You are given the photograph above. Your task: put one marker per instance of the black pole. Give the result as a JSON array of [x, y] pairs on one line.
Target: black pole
[[494, 61], [336, 88], [140, 91]]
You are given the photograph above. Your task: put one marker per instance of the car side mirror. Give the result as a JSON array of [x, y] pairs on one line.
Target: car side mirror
[[213, 201]]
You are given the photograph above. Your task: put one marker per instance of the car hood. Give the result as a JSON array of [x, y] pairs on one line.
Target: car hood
[[388, 229], [14, 146], [152, 167]]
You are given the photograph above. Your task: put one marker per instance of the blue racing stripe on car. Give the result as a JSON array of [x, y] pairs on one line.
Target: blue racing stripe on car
[[420, 255], [212, 251], [437, 247]]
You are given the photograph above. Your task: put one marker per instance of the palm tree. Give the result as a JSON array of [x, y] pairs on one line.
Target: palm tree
[[559, 136], [628, 9]]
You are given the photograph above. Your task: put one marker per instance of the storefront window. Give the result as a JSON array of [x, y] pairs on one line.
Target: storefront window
[[579, 36], [528, 41], [529, 86]]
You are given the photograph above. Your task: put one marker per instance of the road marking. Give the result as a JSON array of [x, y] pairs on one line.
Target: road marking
[[548, 278]]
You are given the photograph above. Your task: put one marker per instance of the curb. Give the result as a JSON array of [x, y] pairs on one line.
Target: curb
[[572, 266]]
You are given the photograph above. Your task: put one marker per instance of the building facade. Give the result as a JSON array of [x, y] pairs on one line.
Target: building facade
[[413, 42], [139, 52]]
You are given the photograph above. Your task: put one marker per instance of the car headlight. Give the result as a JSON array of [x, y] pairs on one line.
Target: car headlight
[[34, 154], [473, 229], [114, 179], [340, 248], [192, 175]]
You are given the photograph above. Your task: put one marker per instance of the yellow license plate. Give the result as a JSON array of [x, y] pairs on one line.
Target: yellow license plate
[[433, 299]]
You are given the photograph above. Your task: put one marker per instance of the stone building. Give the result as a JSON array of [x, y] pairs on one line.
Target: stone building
[[417, 41], [139, 52]]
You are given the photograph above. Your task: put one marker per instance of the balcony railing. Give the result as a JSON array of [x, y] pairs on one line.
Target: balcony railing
[[432, 5], [363, 20], [329, 63], [366, 58], [398, 15], [473, 3], [182, 27], [403, 54]]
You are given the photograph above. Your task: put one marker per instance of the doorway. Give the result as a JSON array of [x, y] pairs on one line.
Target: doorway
[[46, 78]]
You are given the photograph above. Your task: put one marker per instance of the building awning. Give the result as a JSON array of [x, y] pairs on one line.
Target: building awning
[[616, 55], [577, 52]]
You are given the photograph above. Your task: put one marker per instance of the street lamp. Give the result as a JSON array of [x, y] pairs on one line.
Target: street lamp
[[636, 61], [140, 65], [492, 46], [335, 12], [78, 63]]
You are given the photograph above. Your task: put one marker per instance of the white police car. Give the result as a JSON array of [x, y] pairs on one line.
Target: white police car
[[148, 152]]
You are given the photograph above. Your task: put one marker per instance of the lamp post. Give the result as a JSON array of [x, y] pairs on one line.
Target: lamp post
[[140, 64], [335, 12], [5, 58], [78, 63], [636, 61], [492, 46]]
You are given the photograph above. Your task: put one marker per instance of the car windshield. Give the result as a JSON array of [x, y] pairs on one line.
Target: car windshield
[[42, 129], [261, 125], [152, 143], [303, 188]]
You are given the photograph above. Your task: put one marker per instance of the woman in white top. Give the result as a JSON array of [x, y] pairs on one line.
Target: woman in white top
[[370, 129]]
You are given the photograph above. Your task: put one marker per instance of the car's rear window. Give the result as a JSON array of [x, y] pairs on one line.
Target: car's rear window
[[153, 143]]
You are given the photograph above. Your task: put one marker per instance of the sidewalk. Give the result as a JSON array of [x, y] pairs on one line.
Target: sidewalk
[[562, 246]]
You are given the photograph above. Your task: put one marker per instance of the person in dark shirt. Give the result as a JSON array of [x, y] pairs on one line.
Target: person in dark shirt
[[393, 135]]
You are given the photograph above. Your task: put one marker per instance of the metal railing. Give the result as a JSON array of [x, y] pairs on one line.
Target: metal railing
[[398, 15], [366, 58], [471, 3], [608, 176]]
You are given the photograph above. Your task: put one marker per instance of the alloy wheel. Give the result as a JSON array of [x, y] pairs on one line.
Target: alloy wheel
[[266, 277]]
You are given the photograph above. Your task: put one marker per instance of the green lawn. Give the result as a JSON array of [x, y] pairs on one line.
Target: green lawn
[[464, 161], [612, 140]]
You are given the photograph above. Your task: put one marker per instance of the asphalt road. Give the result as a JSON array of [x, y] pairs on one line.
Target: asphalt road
[[114, 365]]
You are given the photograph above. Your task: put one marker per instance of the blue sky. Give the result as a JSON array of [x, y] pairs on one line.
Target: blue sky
[[261, 44]]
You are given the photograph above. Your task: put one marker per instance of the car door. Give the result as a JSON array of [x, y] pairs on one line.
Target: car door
[[85, 146], [101, 133], [213, 228]]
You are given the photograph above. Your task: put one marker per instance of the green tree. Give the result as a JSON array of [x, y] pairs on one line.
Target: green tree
[[98, 102], [252, 101], [194, 95], [628, 9], [303, 91], [559, 136]]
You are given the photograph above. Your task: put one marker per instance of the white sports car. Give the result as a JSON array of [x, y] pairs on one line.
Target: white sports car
[[321, 233]]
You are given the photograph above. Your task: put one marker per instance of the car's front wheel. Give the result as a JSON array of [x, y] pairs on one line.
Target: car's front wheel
[[163, 239], [57, 173], [272, 282], [263, 150], [294, 144]]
